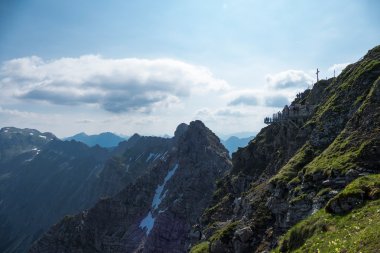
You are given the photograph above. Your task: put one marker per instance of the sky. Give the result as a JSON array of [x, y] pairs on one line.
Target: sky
[[127, 66]]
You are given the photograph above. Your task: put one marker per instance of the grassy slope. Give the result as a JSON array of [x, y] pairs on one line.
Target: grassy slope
[[356, 231], [324, 231], [341, 154], [202, 247]]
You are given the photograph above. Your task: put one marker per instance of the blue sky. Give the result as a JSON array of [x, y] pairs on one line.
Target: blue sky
[[146, 66]]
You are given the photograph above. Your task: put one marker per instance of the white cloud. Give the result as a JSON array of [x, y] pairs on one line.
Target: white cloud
[[84, 121], [211, 114], [338, 68], [276, 100], [115, 85], [244, 97], [229, 113], [18, 113], [289, 79], [254, 98]]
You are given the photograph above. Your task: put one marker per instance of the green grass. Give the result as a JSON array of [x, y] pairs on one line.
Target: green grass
[[224, 234], [364, 67], [211, 210], [298, 198], [364, 188], [340, 155], [370, 96], [356, 231], [295, 164], [203, 247]]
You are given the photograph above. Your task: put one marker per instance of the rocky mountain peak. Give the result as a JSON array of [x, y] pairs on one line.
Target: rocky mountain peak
[[134, 137], [197, 141], [15, 141], [180, 130]]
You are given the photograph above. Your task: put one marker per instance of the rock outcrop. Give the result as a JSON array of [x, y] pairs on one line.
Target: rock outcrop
[[157, 212]]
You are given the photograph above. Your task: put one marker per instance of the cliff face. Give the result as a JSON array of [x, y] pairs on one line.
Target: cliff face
[[156, 212], [42, 179], [130, 160], [295, 166]]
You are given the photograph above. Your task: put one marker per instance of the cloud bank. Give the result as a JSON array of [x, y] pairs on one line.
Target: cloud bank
[[338, 68], [269, 98], [245, 99], [289, 79], [115, 85]]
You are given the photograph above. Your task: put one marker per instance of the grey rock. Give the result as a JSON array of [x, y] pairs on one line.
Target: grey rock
[[244, 234]]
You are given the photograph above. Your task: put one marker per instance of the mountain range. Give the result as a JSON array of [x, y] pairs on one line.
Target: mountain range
[[110, 140], [233, 143], [307, 182], [106, 140]]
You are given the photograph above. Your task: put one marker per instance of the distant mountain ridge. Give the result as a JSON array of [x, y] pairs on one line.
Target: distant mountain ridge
[[106, 140], [109, 140], [234, 142]]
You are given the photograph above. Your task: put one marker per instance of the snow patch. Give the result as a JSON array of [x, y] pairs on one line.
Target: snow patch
[[37, 152], [6, 131], [158, 197], [157, 156], [148, 223], [139, 156], [31, 134], [41, 136], [164, 156], [151, 155]]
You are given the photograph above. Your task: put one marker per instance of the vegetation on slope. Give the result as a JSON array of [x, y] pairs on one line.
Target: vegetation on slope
[[305, 164], [202, 247], [350, 144], [356, 231]]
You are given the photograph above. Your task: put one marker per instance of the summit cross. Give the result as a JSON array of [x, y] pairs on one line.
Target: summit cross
[[317, 74]]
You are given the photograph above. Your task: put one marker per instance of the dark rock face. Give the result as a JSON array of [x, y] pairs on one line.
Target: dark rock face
[[42, 179], [293, 168], [157, 211]]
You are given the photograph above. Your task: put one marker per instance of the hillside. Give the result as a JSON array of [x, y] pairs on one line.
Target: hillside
[[43, 179], [155, 213], [294, 167]]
